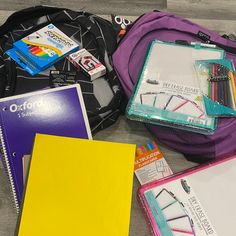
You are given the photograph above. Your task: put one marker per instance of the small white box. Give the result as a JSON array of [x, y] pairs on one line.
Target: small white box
[[88, 63]]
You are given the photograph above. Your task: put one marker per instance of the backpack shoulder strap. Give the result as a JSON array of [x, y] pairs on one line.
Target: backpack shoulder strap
[[26, 14]]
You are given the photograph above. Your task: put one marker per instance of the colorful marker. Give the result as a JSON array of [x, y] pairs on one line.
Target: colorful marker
[[232, 80]]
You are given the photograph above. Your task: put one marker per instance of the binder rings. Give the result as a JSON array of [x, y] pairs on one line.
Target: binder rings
[[78, 187], [198, 202], [58, 111], [167, 92]]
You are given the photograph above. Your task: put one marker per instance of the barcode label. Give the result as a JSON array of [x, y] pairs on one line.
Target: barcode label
[[195, 120]]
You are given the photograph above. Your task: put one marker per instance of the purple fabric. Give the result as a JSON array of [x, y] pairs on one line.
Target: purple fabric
[[128, 60]]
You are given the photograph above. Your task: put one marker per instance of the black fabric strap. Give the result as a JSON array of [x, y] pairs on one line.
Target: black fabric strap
[[99, 29], [26, 14]]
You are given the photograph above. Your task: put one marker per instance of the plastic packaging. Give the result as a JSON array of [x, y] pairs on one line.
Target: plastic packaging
[[218, 85], [167, 92]]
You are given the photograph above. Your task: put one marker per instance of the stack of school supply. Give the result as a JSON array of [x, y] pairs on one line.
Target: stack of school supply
[[150, 163], [39, 50], [74, 187], [218, 85], [58, 111], [167, 92], [198, 202]]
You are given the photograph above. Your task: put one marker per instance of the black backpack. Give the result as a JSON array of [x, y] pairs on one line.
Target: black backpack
[[103, 96]]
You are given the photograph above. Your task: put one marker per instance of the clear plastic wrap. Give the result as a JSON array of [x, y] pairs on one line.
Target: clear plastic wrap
[[217, 82], [186, 204], [167, 92]]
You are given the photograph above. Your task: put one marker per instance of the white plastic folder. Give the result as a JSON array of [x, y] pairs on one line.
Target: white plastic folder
[[197, 202], [167, 92]]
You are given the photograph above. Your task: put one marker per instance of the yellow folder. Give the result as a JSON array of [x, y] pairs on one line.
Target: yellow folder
[[78, 187]]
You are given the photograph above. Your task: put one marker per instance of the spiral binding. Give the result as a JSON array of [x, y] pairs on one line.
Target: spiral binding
[[8, 170]]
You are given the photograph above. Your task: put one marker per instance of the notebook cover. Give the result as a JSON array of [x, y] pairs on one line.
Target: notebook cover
[[58, 111], [206, 193], [78, 187]]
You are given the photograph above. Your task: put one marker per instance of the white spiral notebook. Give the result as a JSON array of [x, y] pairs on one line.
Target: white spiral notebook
[[58, 111]]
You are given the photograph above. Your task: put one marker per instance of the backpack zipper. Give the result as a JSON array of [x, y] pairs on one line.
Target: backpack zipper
[[228, 49]]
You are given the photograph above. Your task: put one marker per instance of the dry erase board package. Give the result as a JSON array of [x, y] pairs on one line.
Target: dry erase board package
[[217, 81], [197, 202], [167, 92]]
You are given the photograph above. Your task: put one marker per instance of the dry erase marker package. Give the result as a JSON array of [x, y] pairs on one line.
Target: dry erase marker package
[[168, 93], [185, 204], [218, 84], [88, 63]]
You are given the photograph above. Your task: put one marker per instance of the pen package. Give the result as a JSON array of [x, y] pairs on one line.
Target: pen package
[[167, 92], [218, 84]]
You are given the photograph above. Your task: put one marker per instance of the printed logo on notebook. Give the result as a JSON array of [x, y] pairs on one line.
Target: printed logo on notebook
[[26, 105], [35, 106]]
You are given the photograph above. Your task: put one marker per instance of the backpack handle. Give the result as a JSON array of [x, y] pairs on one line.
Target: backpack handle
[[26, 14], [92, 26]]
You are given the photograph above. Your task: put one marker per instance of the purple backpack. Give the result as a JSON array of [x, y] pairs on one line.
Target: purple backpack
[[128, 60]]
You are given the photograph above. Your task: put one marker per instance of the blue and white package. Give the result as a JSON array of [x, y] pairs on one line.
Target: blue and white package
[[39, 50]]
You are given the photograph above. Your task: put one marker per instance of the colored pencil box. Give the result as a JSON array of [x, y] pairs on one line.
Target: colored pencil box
[[218, 84], [41, 49], [196, 202]]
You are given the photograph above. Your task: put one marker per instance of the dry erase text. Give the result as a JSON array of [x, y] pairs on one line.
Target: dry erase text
[[201, 216], [180, 88]]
